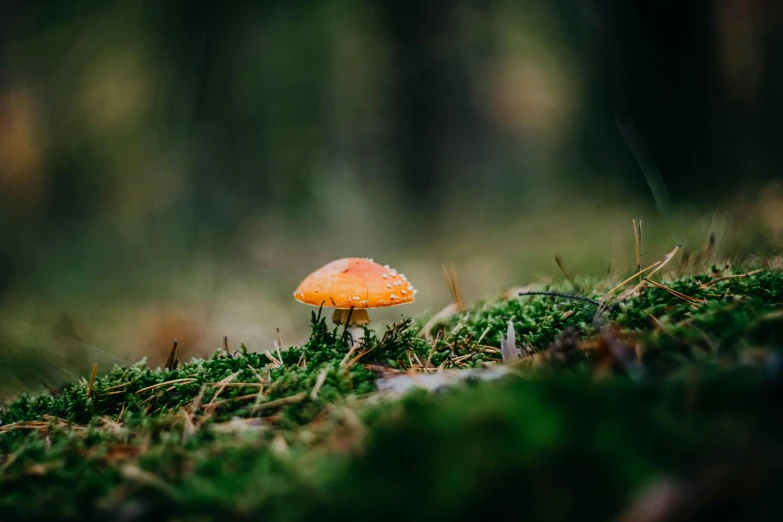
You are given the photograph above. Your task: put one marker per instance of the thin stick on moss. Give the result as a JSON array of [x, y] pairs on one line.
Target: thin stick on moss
[[285, 401], [665, 261], [171, 362], [637, 234], [272, 358], [255, 372], [347, 325], [733, 276], [232, 399], [234, 384], [658, 265], [92, 379], [434, 345], [450, 273], [185, 380], [318, 383], [483, 334], [626, 281], [222, 385], [348, 355], [356, 359], [564, 296], [560, 264], [530, 344], [675, 293]]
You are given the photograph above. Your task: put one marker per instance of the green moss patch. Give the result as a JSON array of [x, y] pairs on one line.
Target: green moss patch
[[675, 385]]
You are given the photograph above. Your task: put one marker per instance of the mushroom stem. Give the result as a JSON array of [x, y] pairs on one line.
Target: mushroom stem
[[358, 318]]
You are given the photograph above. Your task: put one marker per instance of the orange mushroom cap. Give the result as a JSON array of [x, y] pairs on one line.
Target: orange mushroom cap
[[354, 282]]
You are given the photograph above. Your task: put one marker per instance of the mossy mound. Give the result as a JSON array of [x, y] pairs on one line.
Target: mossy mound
[[673, 387]]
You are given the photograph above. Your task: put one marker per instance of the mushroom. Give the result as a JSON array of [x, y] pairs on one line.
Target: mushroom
[[352, 285]]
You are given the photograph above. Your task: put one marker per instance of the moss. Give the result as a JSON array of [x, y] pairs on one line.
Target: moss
[[305, 436]]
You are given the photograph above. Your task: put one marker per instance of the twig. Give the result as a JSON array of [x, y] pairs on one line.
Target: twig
[[348, 355], [171, 362], [186, 380], [454, 331], [529, 343], [233, 384], [272, 358], [434, 345], [222, 385], [285, 401], [626, 281], [92, 379], [232, 399], [383, 369], [637, 233], [679, 295], [318, 383], [255, 372], [483, 334], [461, 358], [608, 296], [564, 296], [734, 276], [347, 324], [356, 359], [706, 253], [560, 264], [116, 386], [450, 273]]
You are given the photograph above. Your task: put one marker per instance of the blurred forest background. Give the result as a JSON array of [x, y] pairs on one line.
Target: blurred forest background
[[174, 169]]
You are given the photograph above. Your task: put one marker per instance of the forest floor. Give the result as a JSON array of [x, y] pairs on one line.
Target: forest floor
[[650, 398]]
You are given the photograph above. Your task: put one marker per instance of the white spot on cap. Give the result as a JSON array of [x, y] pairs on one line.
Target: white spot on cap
[[404, 291], [415, 291], [397, 283], [388, 285], [392, 296], [356, 298], [364, 302], [387, 267], [385, 276]]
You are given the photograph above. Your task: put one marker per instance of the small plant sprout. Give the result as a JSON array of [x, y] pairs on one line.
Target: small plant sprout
[[352, 285], [508, 345]]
